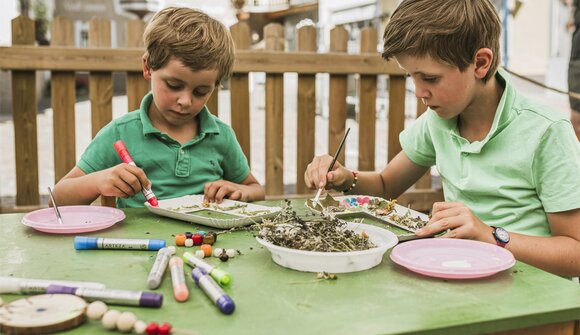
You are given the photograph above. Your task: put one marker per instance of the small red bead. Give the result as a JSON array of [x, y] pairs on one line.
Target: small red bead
[[165, 329], [197, 239], [152, 329]]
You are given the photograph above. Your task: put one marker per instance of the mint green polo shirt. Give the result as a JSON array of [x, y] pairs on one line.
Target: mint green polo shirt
[[175, 170], [528, 164]]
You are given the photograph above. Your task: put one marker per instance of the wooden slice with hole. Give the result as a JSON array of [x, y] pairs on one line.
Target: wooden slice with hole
[[42, 314]]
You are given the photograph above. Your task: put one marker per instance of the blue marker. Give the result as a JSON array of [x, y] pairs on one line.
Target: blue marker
[[84, 243], [213, 291]]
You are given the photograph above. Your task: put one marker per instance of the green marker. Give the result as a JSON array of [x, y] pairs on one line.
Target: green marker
[[220, 276]]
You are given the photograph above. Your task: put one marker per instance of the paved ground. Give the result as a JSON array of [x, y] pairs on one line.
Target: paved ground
[[45, 135]]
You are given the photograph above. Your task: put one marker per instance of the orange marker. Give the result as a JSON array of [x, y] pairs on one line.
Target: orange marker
[[180, 290]]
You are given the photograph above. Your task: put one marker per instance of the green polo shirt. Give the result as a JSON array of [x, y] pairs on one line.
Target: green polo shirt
[[527, 166], [175, 170]]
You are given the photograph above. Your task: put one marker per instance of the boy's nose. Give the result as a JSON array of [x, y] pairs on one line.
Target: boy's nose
[[185, 99]]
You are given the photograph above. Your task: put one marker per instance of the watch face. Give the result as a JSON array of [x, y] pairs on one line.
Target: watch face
[[502, 235]]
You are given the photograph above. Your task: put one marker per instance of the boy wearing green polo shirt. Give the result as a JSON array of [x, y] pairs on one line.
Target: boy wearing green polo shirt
[[179, 147], [510, 168]]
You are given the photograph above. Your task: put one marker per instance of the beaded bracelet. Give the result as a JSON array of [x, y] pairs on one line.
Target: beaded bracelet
[[353, 185]]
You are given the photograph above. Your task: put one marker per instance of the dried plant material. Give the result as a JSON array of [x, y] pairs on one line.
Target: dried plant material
[[326, 275], [326, 234], [408, 220]]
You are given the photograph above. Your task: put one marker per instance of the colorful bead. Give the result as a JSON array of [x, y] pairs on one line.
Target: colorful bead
[[164, 329], [201, 232], [224, 257], [197, 239], [210, 238], [231, 253], [180, 240], [206, 249], [199, 254], [217, 252], [152, 328], [96, 310], [189, 242], [188, 234], [126, 321]]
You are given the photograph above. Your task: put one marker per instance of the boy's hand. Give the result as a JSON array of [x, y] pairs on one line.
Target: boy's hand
[[317, 175], [217, 191], [460, 221], [122, 181]]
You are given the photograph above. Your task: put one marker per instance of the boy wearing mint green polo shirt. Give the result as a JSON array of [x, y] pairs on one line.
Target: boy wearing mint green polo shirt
[[179, 147], [510, 168]]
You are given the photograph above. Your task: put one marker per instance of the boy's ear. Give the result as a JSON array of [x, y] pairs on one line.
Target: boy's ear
[[146, 69], [483, 60]]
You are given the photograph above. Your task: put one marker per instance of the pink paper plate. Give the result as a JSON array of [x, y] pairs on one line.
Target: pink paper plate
[[452, 258], [76, 219]]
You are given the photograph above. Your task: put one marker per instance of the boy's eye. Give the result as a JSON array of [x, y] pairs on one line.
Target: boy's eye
[[200, 93], [430, 79], [173, 86]]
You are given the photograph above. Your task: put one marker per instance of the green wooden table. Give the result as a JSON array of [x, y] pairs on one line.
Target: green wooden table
[[271, 299]]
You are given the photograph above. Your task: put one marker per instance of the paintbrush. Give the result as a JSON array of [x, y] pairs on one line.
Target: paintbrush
[[319, 192], [54, 206]]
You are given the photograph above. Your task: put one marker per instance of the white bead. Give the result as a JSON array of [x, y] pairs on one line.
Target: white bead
[[139, 327], [217, 252], [126, 321], [96, 309], [199, 254], [172, 250], [231, 253], [109, 320], [189, 242]]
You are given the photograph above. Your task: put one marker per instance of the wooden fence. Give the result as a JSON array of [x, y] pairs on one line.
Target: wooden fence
[[23, 59]]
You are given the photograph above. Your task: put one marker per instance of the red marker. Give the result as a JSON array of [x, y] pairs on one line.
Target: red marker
[[126, 157]]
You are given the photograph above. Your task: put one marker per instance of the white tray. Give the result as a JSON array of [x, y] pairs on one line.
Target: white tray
[[336, 262], [185, 208], [398, 209]]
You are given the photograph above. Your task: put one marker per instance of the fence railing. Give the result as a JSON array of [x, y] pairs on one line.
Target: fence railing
[[63, 60]]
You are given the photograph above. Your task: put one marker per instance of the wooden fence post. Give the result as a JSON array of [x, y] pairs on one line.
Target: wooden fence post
[[137, 86], [274, 36], [337, 96], [101, 86], [63, 103], [24, 113], [367, 99], [306, 109], [240, 92]]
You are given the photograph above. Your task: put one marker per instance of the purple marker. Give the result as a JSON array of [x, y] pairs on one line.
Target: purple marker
[[114, 297], [213, 291]]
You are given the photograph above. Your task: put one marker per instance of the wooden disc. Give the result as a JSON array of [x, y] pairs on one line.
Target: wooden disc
[[42, 314]]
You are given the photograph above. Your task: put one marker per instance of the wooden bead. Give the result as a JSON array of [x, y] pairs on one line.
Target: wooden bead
[[231, 253], [217, 252], [126, 321], [199, 254], [96, 310], [206, 249], [189, 243], [109, 320], [139, 327]]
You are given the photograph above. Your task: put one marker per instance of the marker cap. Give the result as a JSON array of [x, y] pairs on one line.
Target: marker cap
[[151, 299], [225, 304], [156, 244], [84, 242], [222, 277]]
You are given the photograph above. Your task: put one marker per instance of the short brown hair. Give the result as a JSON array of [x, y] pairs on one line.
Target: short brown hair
[[193, 37], [450, 31]]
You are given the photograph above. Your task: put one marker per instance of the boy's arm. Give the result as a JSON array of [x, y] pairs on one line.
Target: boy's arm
[[400, 174], [79, 188]]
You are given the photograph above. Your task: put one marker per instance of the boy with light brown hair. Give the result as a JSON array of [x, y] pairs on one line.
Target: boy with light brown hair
[[179, 147], [509, 166]]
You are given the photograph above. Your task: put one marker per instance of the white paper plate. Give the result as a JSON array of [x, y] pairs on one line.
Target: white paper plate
[[336, 262], [185, 208], [399, 210]]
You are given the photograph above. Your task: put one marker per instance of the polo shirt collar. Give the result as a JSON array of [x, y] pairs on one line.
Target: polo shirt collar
[[207, 123], [503, 115]]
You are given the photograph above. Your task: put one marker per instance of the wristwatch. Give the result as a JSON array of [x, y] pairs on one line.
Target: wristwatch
[[502, 237]]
